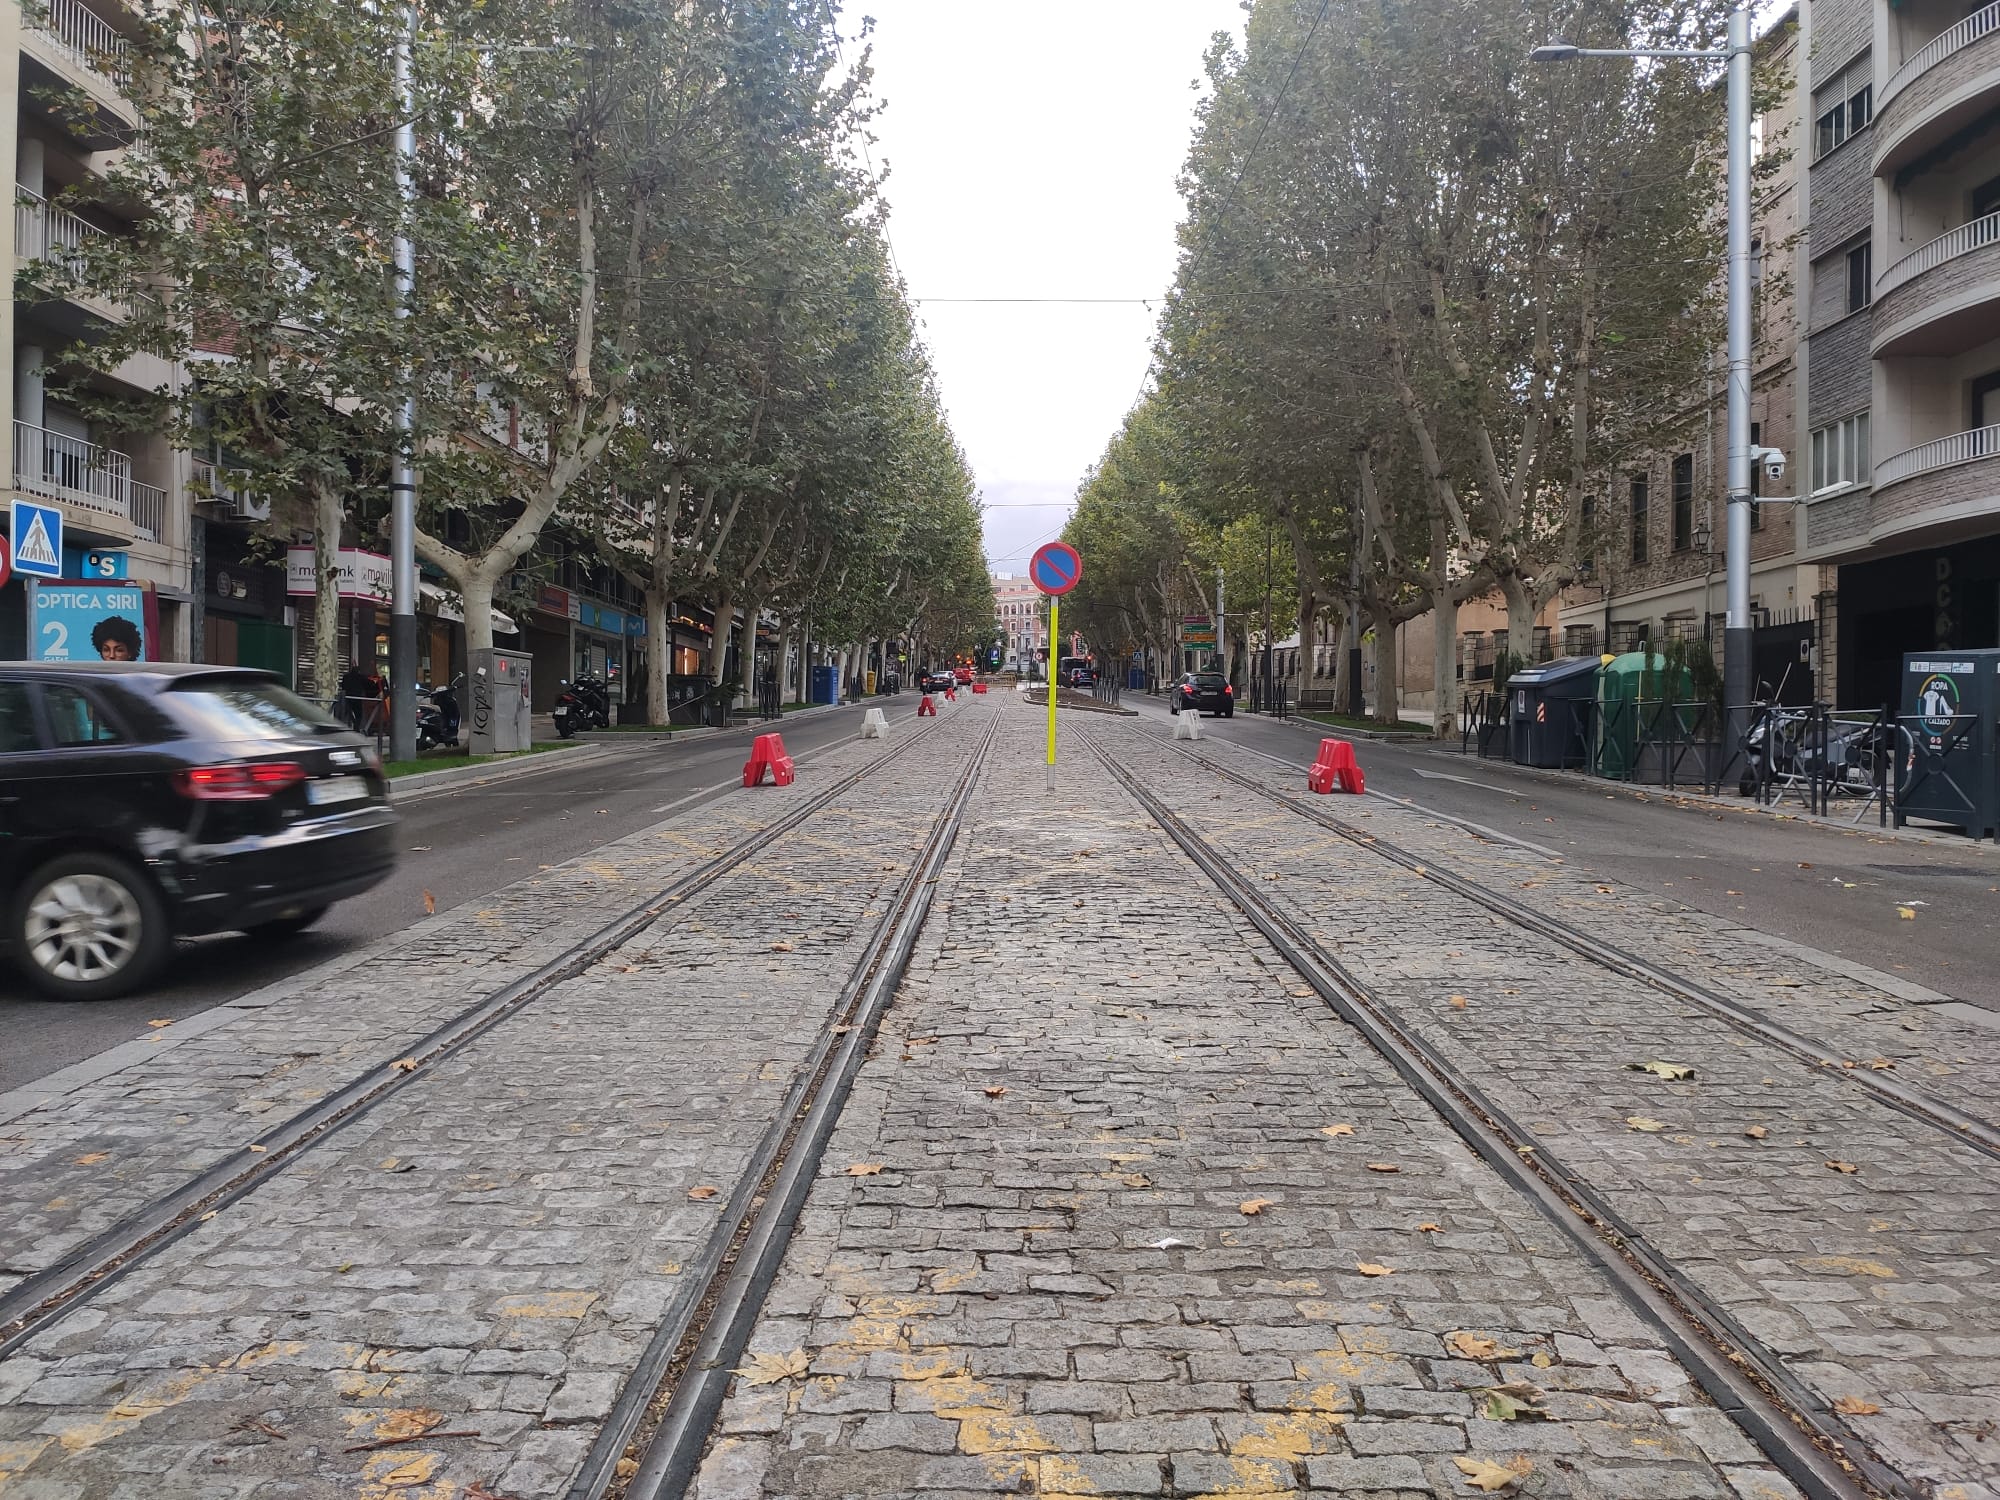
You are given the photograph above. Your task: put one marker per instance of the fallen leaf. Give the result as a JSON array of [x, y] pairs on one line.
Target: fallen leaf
[[404, 1065], [1369, 1268], [1907, 913], [1843, 1166], [1459, 1002], [430, 904], [1336, 1130], [397, 1164], [1541, 1359], [1854, 1406], [1171, 1244], [783, 947], [1251, 1207], [343, 1268], [92, 1158], [995, 1093], [865, 1169], [1645, 1122], [1667, 1070], [1429, 1228], [1881, 1064], [1805, 864], [702, 1194], [1383, 1166], [409, 1422], [258, 1149], [1756, 1132], [769, 1369], [1510, 1405], [1483, 1474], [1473, 1345], [157, 1024]]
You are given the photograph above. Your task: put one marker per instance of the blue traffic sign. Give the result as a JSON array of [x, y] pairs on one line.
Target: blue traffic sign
[[38, 538], [1055, 568]]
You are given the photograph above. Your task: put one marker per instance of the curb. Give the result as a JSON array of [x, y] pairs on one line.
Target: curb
[[497, 770]]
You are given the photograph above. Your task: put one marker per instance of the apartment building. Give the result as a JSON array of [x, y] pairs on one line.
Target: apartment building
[[1018, 620], [1659, 533], [122, 495], [1900, 382]]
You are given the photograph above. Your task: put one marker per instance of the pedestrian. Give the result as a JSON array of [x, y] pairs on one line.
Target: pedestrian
[[355, 691]]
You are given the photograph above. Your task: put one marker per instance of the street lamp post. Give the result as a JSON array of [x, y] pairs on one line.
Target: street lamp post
[[403, 478], [1736, 622]]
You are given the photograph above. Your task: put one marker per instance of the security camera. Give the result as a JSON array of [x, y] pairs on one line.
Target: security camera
[[1773, 460]]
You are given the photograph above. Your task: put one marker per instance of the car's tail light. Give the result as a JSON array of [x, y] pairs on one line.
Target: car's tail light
[[1229, 689], [242, 782]]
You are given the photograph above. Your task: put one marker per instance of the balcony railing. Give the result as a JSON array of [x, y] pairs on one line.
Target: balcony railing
[[86, 475], [1941, 453], [43, 232], [1948, 246], [1980, 23], [91, 39]]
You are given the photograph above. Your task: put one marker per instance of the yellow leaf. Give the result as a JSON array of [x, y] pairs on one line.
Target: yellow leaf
[[1478, 1346], [1854, 1406], [769, 1369], [1383, 1166], [404, 1065], [865, 1169], [782, 947], [1847, 1167], [1541, 1359], [156, 1025], [92, 1158], [701, 1194], [1369, 1268], [1459, 1002], [995, 1093], [1645, 1122], [1756, 1132], [430, 904], [407, 1422], [1336, 1130], [1251, 1207], [1907, 913], [259, 1149], [1882, 1064], [1667, 1070], [1483, 1474], [1428, 1228]]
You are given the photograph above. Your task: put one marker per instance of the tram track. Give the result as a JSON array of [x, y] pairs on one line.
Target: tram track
[[1798, 1429], [1981, 1134], [44, 1297]]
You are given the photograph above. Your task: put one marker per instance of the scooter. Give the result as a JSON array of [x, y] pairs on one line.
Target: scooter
[[582, 704], [438, 715]]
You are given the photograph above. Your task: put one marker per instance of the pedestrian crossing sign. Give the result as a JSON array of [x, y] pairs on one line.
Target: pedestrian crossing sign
[[38, 538]]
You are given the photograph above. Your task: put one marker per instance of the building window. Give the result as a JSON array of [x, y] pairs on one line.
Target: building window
[[1639, 520], [1579, 640], [1860, 277], [1840, 454], [1683, 501], [1844, 107], [1629, 635]]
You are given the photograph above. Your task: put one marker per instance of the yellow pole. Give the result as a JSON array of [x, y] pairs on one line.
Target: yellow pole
[[1055, 609]]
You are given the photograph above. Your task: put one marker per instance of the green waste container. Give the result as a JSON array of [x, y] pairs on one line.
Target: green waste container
[[1623, 685]]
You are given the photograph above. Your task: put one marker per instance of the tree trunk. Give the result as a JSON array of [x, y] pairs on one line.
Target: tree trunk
[[477, 592], [1388, 709], [1341, 687], [781, 660], [1520, 617], [659, 654], [326, 592], [1444, 660], [724, 621], [746, 651]]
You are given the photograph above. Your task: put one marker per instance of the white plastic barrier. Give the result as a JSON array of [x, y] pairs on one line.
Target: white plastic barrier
[[874, 725], [1187, 725]]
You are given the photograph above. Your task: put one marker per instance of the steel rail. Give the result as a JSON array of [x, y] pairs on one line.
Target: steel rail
[[1982, 1135], [1800, 1433], [42, 1298]]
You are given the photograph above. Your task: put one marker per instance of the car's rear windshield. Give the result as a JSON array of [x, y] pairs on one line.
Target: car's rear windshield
[[236, 708], [1208, 679]]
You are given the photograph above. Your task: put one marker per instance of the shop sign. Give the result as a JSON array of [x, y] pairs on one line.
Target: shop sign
[[558, 602], [89, 622], [364, 576]]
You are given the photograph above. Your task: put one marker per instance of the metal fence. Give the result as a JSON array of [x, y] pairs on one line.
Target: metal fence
[[1269, 697]]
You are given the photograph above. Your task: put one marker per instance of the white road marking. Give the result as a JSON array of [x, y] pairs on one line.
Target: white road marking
[[1484, 786]]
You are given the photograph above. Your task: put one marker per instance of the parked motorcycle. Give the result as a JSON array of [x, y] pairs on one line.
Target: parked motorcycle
[[438, 715], [583, 704]]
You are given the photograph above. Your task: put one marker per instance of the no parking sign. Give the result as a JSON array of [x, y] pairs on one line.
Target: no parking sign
[[1055, 569]]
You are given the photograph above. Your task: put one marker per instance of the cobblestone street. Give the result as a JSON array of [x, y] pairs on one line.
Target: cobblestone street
[[1119, 1202]]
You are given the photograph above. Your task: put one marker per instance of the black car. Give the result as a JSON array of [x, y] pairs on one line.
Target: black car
[[1202, 692], [143, 801], [940, 680]]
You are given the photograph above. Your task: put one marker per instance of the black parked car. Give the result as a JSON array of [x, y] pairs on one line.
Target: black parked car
[[143, 801], [940, 680], [1202, 692]]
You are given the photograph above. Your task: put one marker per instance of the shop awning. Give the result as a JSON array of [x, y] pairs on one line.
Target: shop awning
[[445, 607]]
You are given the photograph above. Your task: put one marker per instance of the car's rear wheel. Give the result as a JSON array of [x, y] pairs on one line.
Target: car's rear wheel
[[284, 927], [90, 926]]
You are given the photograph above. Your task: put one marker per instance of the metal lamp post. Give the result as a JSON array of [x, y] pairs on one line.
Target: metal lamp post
[[1736, 622], [403, 477]]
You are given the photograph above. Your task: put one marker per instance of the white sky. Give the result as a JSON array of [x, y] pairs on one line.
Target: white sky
[[1033, 149]]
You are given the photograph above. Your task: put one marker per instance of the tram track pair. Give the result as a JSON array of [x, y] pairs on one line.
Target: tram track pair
[[1980, 1134], [1798, 1430], [45, 1296]]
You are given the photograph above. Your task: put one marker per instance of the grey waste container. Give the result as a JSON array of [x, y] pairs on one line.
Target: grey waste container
[[499, 718], [1548, 712], [1946, 766]]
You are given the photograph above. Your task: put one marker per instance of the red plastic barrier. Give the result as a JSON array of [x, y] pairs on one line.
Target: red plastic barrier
[[1336, 769], [951, 693], [926, 706], [979, 687], [767, 753]]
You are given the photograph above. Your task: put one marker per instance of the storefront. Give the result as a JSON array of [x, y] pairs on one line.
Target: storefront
[[1944, 599], [246, 615], [545, 633]]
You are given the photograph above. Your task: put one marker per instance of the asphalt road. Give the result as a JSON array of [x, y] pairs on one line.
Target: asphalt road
[[1838, 890], [458, 844]]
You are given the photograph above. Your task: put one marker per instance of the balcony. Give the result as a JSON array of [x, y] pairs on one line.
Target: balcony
[[89, 478], [43, 232], [1942, 86], [1944, 297], [1937, 488], [70, 45]]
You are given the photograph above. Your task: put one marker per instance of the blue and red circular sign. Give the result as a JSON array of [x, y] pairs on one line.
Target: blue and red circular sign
[[1055, 568]]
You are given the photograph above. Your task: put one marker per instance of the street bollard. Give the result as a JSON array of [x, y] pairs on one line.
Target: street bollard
[[874, 725], [1187, 725]]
